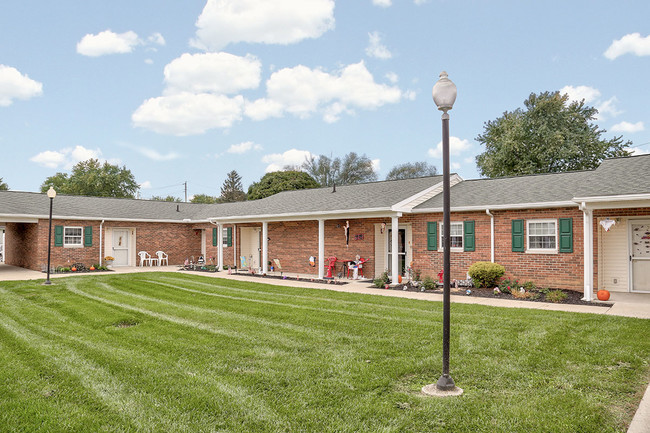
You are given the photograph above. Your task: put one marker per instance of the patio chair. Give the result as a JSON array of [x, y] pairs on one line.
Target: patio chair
[[162, 257], [145, 258], [330, 266]]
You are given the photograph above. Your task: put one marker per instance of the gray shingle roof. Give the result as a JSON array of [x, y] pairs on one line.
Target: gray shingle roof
[[628, 175]]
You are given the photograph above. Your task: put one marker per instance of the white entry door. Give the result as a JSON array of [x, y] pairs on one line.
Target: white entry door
[[121, 247], [640, 255], [250, 246]]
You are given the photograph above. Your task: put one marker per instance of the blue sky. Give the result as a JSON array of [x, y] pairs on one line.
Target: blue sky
[[187, 91]]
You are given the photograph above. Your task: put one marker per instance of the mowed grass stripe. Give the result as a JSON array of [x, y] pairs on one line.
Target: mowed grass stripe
[[100, 350]]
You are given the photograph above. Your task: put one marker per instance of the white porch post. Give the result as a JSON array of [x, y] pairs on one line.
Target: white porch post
[[220, 246], [265, 247], [394, 250], [587, 216], [321, 249]]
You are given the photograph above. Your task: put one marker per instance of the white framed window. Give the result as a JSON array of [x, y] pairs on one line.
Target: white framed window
[[224, 236], [541, 236], [456, 234], [73, 237]]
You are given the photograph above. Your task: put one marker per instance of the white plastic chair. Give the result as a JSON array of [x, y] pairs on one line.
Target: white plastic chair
[[162, 257], [145, 258]]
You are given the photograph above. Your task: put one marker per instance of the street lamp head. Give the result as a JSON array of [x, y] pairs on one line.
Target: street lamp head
[[51, 193], [444, 93]]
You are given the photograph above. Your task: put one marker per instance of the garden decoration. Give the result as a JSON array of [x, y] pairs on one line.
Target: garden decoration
[[603, 295]]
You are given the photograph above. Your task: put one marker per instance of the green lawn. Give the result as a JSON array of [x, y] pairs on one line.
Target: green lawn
[[178, 353]]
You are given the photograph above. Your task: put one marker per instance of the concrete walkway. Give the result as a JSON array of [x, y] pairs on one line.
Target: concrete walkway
[[622, 304]]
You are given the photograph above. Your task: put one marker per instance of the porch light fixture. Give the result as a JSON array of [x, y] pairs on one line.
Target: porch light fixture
[[444, 96], [51, 193]]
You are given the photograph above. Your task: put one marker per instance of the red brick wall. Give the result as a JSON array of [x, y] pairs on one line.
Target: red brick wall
[[561, 270], [22, 246]]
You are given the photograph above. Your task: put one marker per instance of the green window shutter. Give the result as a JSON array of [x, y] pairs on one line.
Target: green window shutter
[[215, 238], [432, 236], [229, 236], [58, 236], [469, 241], [566, 235], [518, 235], [88, 236]]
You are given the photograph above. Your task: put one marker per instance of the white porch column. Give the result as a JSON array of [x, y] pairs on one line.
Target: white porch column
[[588, 240], [265, 247], [394, 250], [321, 249], [220, 246]]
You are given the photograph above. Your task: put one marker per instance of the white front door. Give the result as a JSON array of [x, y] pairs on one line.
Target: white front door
[[250, 246], [121, 247], [640, 256]]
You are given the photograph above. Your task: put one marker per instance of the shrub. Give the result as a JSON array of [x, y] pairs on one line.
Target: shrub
[[429, 283], [556, 296], [524, 295], [382, 280], [529, 286], [486, 274]]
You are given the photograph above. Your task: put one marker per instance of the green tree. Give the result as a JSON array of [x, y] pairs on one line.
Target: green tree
[[3, 186], [232, 190], [168, 198], [550, 135], [411, 170], [91, 178], [278, 181], [203, 198], [350, 170]]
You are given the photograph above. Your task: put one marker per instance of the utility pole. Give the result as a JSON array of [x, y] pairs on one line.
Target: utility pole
[[185, 191]]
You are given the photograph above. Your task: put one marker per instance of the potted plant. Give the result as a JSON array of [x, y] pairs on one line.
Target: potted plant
[[109, 261]]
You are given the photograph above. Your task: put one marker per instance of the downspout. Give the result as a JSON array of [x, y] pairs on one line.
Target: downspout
[[487, 211], [234, 244], [101, 253], [587, 217]]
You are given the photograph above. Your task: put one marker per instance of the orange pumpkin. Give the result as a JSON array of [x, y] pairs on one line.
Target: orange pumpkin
[[92, 268], [603, 295], [74, 269], [399, 279]]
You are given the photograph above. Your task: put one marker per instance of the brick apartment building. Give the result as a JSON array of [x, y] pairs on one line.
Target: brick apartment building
[[579, 230]]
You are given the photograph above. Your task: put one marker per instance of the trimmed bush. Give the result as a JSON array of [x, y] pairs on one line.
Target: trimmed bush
[[429, 283], [382, 280], [486, 274], [556, 296]]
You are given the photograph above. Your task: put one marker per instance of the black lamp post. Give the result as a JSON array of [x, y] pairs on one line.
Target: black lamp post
[[444, 95], [51, 194]]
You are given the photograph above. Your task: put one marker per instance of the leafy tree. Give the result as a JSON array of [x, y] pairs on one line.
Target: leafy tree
[[94, 179], [3, 186], [168, 198], [350, 170], [278, 181], [411, 170], [203, 198], [232, 190], [550, 135]]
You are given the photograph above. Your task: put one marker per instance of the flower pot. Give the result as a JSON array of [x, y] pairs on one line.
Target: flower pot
[[603, 295], [109, 263]]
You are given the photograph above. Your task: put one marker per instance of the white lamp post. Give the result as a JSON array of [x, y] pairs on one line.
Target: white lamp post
[[444, 95], [51, 193]]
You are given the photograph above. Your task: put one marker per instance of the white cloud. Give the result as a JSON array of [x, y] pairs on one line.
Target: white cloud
[[157, 156], [579, 93], [188, 113], [628, 127], [261, 109], [637, 151], [65, 158], [261, 21], [376, 165], [631, 43], [455, 166], [14, 85], [302, 91], [243, 147], [607, 108], [420, 2], [382, 3], [292, 157], [145, 185], [156, 38], [456, 147], [392, 77], [375, 48], [221, 73], [148, 61], [108, 42]]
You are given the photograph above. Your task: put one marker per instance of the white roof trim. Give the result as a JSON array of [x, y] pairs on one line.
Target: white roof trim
[[335, 214], [554, 204], [613, 198], [409, 203]]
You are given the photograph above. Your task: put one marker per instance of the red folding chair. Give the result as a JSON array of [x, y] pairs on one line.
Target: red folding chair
[[331, 264]]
